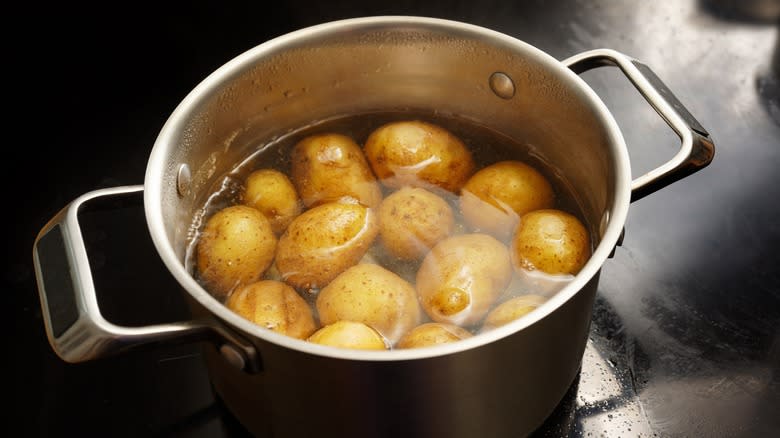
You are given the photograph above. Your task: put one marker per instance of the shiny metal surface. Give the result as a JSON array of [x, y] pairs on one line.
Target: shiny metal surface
[[684, 339], [391, 63], [369, 57], [696, 150], [88, 335]]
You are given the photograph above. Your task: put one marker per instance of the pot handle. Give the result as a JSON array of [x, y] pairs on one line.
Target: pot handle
[[74, 325], [696, 150]]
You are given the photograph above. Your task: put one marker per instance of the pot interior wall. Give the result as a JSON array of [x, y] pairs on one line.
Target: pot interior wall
[[318, 74]]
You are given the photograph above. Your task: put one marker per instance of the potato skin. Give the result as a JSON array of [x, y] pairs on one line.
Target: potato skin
[[462, 276], [432, 333], [419, 154], [494, 198], [370, 294], [274, 195], [323, 242], [235, 248], [552, 241], [273, 305], [328, 167], [349, 334], [511, 310], [412, 221]]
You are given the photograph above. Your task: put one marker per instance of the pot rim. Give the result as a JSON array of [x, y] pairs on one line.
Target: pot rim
[[153, 190]]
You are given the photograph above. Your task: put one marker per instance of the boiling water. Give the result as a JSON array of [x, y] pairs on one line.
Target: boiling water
[[487, 147]]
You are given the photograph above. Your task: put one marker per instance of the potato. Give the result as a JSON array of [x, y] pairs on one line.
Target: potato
[[494, 198], [349, 334], [552, 241], [328, 167], [432, 333], [412, 221], [418, 154], [462, 276], [235, 248], [511, 310], [372, 295], [323, 242], [271, 192], [275, 306]]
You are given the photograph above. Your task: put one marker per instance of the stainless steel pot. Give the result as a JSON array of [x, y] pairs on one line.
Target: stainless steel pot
[[499, 384]]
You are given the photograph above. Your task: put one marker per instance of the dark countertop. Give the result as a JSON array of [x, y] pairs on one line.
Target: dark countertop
[[685, 337]]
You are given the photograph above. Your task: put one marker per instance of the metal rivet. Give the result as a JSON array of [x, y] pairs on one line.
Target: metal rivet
[[502, 85], [183, 180], [233, 356]]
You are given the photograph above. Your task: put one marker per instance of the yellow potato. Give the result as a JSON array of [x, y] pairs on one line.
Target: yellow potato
[[418, 154], [323, 242], [551, 241], [349, 334], [412, 221], [511, 310], [372, 295], [275, 306], [235, 248], [271, 192], [432, 333], [329, 167], [494, 198], [461, 278]]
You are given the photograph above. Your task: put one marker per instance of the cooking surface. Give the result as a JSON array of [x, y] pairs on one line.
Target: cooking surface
[[685, 339]]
